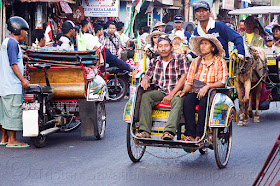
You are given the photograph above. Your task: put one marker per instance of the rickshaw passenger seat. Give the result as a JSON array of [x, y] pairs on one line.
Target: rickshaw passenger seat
[[162, 106]]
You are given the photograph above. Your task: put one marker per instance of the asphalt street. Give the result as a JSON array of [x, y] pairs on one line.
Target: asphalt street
[[69, 159]]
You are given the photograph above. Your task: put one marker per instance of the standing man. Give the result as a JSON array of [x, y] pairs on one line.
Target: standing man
[[12, 82], [169, 72], [111, 40], [241, 26], [65, 42], [249, 36], [178, 23], [207, 25], [120, 32]]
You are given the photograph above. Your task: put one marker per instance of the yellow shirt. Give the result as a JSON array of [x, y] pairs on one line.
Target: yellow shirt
[[250, 37]]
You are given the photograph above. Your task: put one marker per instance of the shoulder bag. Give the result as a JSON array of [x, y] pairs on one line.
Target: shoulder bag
[[197, 85]]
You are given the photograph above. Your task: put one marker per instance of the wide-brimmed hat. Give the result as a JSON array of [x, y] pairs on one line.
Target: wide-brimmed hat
[[154, 33], [195, 41], [159, 24], [179, 34]]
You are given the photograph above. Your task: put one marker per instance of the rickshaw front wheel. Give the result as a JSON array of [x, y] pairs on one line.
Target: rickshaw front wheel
[[222, 139], [134, 149]]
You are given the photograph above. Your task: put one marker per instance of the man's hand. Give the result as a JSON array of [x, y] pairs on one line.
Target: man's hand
[[145, 84], [202, 92], [180, 93], [25, 83], [167, 99]]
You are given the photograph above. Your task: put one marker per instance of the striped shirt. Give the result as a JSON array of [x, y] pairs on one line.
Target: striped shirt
[[209, 74], [167, 81]]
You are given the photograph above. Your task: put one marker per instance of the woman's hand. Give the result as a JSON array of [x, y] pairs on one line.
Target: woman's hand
[[180, 93], [202, 92]]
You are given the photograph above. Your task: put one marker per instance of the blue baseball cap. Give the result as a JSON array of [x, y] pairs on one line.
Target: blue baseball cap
[[202, 4]]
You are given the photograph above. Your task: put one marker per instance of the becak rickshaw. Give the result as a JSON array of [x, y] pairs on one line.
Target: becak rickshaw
[[65, 92], [217, 135]]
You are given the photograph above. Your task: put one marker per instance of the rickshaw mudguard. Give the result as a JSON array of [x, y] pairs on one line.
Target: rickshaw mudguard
[[97, 89], [222, 111]]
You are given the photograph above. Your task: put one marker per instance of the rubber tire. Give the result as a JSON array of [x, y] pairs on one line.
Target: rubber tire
[[220, 164], [124, 84], [100, 133], [129, 147], [39, 141]]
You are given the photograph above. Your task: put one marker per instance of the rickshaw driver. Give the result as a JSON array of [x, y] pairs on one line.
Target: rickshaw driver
[[169, 72], [207, 25]]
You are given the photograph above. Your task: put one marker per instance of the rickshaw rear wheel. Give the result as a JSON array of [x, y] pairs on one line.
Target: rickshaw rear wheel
[[222, 139], [100, 119], [39, 141], [118, 92], [134, 149]]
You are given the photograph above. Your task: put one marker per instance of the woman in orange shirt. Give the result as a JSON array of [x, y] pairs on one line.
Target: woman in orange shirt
[[211, 69]]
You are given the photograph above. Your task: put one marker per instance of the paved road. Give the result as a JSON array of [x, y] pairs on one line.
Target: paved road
[[70, 160]]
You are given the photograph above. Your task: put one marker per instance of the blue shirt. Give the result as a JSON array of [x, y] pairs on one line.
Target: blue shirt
[[10, 55], [225, 34]]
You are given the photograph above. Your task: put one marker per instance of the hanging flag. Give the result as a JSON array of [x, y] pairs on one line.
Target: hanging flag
[[48, 33], [136, 6]]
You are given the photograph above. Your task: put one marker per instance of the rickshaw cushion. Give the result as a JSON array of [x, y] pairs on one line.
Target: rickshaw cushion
[[162, 106], [197, 108]]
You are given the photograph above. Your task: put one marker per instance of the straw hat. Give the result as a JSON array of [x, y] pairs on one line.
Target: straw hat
[[180, 34], [154, 33], [159, 24], [195, 44]]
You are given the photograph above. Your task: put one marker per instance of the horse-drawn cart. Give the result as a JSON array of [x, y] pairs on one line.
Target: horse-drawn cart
[[65, 91]]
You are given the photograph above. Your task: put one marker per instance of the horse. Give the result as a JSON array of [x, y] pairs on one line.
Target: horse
[[249, 74]]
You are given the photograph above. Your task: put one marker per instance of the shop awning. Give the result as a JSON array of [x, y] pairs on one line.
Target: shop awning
[[48, 1], [256, 10]]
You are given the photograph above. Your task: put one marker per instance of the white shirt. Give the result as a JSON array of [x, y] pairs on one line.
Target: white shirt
[[65, 44], [91, 41], [124, 38], [144, 36], [164, 63], [272, 52]]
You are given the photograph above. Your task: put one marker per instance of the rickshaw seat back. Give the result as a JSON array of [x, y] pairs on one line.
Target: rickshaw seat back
[[65, 82]]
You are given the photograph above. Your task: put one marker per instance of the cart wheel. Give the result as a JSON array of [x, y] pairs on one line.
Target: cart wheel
[[116, 93], [101, 119], [135, 151], [222, 139], [39, 141]]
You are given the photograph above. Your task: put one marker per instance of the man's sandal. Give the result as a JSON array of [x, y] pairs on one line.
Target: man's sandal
[[143, 134], [167, 136]]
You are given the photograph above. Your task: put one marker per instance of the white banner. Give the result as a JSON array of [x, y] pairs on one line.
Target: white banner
[[101, 8], [228, 4]]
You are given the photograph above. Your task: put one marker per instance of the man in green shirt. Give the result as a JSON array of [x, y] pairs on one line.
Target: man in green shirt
[[249, 36]]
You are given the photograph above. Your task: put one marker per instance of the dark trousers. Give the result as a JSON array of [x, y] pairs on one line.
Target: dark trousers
[[189, 104], [114, 61]]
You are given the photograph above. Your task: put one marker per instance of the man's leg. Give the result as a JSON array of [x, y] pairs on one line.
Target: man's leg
[[175, 114], [12, 118], [189, 114], [113, 60], [4, 138], [201, 116], [148, 101]]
